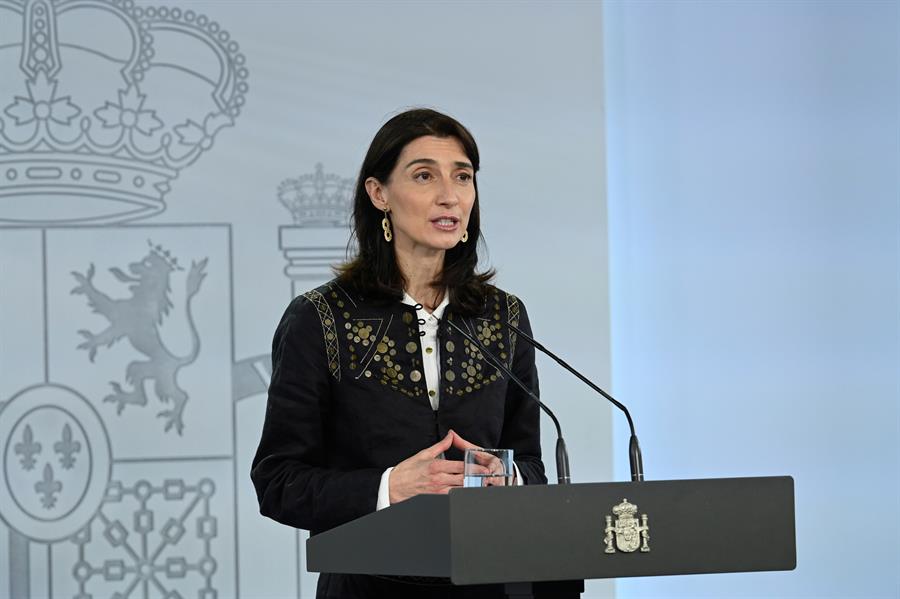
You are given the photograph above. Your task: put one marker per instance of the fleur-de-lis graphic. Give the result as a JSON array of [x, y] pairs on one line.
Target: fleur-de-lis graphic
[[67, 448], [28, 448], [48, 487]]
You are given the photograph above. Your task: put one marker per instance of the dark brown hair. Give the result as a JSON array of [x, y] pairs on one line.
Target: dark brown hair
[[374, 271]]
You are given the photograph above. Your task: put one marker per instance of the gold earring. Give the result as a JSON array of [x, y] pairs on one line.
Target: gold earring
[[465, 236], [386, 226]]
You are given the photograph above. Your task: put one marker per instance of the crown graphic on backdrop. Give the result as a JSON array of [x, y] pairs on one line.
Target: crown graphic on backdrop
[[318, 199], [112, 101]]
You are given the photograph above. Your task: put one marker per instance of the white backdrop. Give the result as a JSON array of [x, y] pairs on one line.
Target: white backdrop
[[158, 498]]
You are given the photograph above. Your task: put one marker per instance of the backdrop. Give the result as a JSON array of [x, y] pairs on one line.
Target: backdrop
[[754, 205], [170, 177]]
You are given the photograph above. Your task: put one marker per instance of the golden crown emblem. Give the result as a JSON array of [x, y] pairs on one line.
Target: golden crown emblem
[[625, 508]]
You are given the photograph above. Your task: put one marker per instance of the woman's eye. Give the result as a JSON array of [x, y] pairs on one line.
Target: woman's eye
[[465, 177], [422, 176]]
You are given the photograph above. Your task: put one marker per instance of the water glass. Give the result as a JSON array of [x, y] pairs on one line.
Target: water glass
[[488, 468]]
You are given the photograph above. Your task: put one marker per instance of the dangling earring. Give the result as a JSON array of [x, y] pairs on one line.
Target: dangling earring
[[386, 226], [465, 236]]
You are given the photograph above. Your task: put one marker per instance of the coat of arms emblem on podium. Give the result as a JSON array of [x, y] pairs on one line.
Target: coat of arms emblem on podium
[[627, 532]]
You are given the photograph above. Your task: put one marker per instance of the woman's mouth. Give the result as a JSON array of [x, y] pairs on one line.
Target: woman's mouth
[[446, 223]]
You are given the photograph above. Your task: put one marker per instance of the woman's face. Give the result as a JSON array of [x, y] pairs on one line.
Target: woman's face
[[430, 194]]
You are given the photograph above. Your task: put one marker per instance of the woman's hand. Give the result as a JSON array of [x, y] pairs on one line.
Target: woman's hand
[[426, 472]]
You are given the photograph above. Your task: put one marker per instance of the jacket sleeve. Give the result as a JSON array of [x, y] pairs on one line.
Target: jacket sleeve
[[294, 482], [521, 423]]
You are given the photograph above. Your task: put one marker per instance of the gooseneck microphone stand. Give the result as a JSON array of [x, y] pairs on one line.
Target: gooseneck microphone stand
[[635, 459], [562, 455]]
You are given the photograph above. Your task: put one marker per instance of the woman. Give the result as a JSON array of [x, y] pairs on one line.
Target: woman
[[373, 395]]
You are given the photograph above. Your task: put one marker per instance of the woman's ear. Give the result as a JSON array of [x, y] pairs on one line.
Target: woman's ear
[[376, 193]]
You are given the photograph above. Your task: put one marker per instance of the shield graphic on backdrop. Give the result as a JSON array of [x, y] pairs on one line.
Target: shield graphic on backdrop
[[109, 453], [55, 462]]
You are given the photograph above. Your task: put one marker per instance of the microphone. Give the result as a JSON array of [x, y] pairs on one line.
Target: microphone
[[635, 459], [562, 455]]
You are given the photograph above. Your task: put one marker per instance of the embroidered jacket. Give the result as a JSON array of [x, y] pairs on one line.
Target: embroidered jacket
[[348, 399]]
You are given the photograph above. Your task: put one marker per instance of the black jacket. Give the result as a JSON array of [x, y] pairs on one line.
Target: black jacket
[[348, 399]]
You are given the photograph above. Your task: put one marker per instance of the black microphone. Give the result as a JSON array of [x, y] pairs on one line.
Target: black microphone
[[634, 449], [562, 456]]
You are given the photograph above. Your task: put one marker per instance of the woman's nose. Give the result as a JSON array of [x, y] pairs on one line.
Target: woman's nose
[[449, 194]]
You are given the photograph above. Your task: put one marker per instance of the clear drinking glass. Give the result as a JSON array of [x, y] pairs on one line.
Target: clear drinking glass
[[488, 468]]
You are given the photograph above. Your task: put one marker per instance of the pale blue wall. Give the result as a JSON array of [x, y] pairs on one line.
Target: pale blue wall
[[753, 200]]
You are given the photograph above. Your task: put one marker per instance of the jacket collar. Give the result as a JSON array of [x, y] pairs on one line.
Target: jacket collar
[[421, 312]]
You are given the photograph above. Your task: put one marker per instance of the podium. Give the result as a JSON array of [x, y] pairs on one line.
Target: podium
[[544, 533]]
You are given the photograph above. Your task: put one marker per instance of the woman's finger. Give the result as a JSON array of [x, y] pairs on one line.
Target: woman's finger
[[445, 479], [452, 466], [460, 443], [479, 469], [438, 448], [486, 459]]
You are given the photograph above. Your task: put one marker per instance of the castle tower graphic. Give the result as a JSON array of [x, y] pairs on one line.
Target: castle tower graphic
[[320, 205]]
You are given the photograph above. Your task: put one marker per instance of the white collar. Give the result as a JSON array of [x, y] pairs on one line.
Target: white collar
[[421, 312]]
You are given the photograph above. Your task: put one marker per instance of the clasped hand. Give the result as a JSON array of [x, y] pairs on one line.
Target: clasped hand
[[426, 472]]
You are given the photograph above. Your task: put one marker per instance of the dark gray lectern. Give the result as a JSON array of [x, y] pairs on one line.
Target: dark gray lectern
[[571, 532]]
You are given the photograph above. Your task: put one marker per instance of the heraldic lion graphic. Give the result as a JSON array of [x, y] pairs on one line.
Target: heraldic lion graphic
[[138, 318]]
